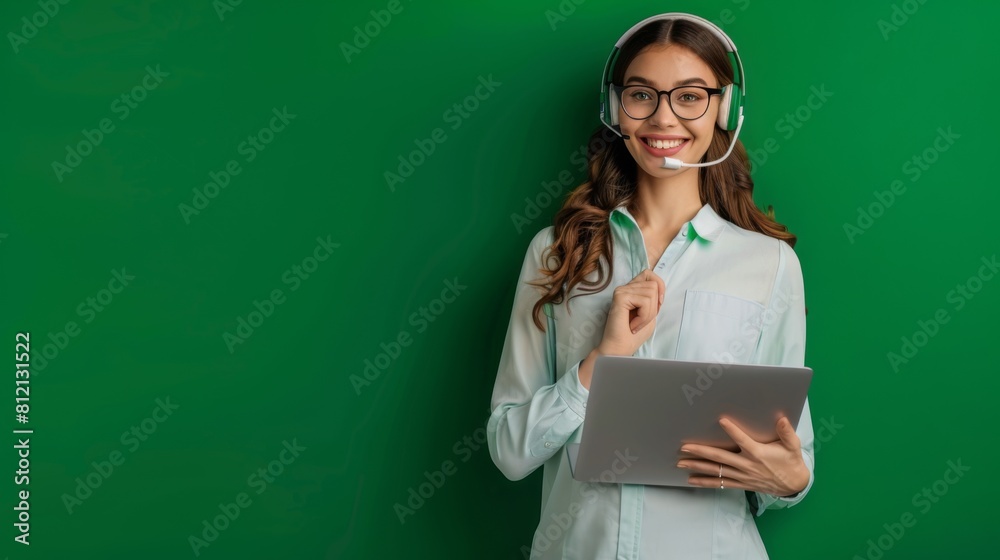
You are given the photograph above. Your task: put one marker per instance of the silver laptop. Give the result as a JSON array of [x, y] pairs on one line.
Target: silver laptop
[[641, 410]]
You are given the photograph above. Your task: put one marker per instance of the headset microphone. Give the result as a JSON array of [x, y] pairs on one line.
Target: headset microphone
[[671, 163]]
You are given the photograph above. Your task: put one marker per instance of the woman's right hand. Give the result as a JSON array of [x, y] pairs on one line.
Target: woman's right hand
[[631, 321], [632, 316]]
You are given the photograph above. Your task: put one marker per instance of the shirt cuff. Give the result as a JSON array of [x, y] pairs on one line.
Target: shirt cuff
[[797, 497], [759, 501], [572, 391]]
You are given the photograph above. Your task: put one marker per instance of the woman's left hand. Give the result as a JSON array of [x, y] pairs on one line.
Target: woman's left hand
[[774, 468]]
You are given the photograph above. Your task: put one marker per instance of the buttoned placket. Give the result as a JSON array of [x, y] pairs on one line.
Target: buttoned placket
[[630, 510]]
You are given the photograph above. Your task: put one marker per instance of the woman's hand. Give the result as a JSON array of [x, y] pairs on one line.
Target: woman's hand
[[631, 320], [632, 316], [774, 468]]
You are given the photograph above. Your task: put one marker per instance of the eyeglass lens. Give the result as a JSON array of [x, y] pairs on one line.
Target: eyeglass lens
[[640, 102]]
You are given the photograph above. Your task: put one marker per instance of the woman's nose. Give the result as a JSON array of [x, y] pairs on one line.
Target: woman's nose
[[664, 115]]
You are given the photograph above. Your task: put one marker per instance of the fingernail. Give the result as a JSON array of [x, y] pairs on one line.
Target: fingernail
[[685, 450], [661, 298]]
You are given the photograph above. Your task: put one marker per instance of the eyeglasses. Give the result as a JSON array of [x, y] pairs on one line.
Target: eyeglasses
[[687, 102]]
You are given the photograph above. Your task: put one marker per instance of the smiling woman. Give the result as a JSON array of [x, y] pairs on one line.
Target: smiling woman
[[665, 247]]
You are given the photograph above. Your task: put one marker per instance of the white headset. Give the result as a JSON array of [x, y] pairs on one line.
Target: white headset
[[732, 99]]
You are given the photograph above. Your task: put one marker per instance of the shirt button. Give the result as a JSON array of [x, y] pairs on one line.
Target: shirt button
[[548, 444], [684, 232]]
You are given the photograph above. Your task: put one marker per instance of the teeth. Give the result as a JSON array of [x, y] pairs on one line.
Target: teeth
[[664, 144]]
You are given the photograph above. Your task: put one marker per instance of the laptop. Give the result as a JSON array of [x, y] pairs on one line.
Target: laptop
[[641, 410]]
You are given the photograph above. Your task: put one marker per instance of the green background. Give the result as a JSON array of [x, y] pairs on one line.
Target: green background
[[322, 176]]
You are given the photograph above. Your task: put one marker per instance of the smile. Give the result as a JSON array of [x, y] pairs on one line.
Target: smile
[[664, 144], [664, 148]]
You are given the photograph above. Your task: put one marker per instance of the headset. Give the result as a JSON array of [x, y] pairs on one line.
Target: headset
[[733, 95]]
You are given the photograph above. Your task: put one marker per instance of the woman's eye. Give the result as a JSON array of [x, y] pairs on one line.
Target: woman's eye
[[689, 97], [640, 96]]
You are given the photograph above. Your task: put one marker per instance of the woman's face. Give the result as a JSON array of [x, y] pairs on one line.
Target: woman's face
[[665, 68]]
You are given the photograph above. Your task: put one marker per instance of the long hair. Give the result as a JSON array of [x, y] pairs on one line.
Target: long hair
[[582, 229]]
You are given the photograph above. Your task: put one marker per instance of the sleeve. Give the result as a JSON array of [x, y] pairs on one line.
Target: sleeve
[[531, 419], [783, 342]]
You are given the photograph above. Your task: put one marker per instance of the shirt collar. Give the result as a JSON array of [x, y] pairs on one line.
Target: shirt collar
[[706, 223]]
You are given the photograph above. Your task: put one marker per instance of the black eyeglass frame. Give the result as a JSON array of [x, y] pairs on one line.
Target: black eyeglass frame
[[621, 100]]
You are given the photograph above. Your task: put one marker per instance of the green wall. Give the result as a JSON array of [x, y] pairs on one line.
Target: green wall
[[198, 232]]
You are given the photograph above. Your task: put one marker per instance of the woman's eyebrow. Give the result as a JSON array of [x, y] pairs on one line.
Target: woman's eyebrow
[[684, 82]]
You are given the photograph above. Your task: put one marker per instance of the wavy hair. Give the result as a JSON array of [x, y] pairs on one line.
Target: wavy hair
[[582, 229]]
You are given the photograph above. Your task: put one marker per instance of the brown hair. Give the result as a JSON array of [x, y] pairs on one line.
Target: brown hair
[[582, 231]]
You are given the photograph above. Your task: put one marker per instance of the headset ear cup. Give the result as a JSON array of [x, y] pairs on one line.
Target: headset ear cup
[[612, 105], [725, 102], [735, 105]]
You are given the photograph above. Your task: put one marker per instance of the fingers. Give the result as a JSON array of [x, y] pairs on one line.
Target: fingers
[[773, 468], [648, 275], [643, 301], [787, 433], [715, 455], [725, 483], [697, 466], [644, 295], [705, 474], [741, 438], [661, 287]]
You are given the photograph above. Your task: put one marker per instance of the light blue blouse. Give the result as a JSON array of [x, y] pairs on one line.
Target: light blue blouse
[[724, 285]]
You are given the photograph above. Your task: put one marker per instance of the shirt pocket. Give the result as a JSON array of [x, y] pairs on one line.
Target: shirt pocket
[[717, 327]]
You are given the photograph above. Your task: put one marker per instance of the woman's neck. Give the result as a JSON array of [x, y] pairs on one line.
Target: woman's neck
[[662, 204]]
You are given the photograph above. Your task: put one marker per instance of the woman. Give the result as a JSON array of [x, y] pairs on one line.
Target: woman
[[661, 260]]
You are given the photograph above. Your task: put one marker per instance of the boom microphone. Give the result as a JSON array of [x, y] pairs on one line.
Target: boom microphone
[[671, 163]]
